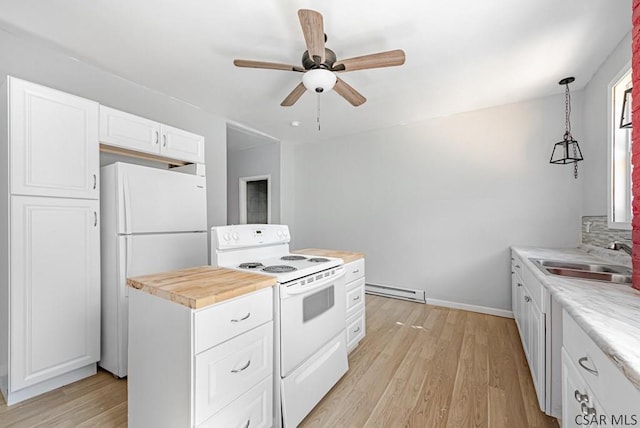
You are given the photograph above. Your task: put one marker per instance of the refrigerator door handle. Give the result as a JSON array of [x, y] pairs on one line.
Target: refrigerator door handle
[[126, 204], [127, 262]]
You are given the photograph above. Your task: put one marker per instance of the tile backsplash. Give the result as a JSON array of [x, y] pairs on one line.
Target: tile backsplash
[[595, 232]]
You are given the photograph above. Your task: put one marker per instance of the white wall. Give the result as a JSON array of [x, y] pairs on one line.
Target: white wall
[[594, 138], [435, 205], [35, 61], [256, 156]]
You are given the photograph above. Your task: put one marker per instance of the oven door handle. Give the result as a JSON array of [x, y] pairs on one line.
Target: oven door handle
[[303, 289]]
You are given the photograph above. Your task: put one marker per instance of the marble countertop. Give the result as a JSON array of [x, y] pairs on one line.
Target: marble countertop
[[608, 313]]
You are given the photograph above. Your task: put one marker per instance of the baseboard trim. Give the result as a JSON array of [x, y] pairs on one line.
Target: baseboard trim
[[473, 308]]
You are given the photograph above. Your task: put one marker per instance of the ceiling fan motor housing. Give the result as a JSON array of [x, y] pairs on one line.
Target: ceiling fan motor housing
[[329, 58]]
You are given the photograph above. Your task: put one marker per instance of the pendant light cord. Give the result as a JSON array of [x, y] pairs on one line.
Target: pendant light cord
[[318, 113], [567, 127]]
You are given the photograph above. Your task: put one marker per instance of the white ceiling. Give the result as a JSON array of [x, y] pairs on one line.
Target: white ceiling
[[461, 54]]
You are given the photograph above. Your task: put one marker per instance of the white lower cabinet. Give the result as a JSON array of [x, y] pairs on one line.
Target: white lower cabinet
[[196, 374], [355, 318], [529, 299], [595, 391]]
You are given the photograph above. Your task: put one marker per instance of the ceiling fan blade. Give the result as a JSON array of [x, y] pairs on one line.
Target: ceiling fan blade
[[348, 93], [376, 60], [313, 30], [268, 65], [293, 96]]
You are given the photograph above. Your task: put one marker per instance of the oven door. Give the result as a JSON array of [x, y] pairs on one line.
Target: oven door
[[310, 317]]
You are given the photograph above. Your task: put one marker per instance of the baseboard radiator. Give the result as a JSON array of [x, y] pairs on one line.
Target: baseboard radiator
[[395, 292]]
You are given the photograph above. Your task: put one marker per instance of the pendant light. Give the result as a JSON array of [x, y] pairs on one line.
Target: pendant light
[[567, 150], [625, 116]]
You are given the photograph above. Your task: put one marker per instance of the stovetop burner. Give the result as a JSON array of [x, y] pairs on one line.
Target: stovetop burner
[[293, 257], [279, 269], [252, 265], [318, 260]]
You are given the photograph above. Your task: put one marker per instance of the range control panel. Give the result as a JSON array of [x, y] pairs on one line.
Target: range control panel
[[248, 235]]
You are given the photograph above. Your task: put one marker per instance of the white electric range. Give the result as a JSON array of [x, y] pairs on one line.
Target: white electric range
[[309, 313]]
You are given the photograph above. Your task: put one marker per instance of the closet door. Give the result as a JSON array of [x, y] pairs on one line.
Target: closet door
[[53, 140], [55, 287]]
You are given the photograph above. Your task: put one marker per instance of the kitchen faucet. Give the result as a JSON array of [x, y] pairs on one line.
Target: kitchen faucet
[[616, 245]]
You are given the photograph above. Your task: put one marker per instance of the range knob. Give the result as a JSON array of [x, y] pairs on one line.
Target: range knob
[[279, 233], [226, 236], [236, 236]]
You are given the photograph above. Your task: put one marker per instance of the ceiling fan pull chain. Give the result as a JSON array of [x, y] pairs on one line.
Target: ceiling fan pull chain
[[318, 113]]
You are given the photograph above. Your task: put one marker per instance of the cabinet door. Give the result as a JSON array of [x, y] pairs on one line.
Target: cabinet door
[[53, 142], [55, 287], [580, 407], [525, 321], [182, 145], [129, 131], [537, 351]]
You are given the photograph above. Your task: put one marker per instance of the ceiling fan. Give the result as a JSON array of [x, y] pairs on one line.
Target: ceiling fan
[[320, 65]]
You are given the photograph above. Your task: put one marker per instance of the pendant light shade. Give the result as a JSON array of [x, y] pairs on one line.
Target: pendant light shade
[[625, 116], [567, 150]]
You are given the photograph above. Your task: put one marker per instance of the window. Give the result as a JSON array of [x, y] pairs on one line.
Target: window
[[619, 155]]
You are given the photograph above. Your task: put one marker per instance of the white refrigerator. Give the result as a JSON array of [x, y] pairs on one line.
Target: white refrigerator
[[153, 221]]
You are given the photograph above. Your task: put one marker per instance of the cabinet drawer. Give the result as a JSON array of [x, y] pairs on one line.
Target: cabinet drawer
[[355, 330], [616, 393], [535, 288], [253, 409], [355, 297], [215, 324], [353, 271], [226, 371]]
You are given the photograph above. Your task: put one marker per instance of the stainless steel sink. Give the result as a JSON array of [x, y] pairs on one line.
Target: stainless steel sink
[[592, 271]]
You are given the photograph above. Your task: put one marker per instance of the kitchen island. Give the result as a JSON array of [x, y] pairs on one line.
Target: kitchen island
[[201, 349]]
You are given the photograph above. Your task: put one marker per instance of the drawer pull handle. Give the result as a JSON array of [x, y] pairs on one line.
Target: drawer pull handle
[[246, 366], [356, 271], [581, 397], [519, 285], [95, 219], [587, 411], [589, 369], [246, 425], [164, 140], [157, 137], [518, 266], [355, 299], [95, 181], [243, 318], [357, 330], [527, 299]]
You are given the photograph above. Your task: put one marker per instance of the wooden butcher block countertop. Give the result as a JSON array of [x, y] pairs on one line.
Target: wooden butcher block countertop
[[201, 286], [347, 256]]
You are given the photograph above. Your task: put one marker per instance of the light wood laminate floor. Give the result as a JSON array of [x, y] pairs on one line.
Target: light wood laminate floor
[[419, 366]]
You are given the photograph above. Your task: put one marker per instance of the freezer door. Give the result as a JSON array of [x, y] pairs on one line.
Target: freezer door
[[152, 200]]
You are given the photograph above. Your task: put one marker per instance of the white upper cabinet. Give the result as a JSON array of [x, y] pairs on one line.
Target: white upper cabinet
[[136, 133], [179, 144], [53, 142], [128, 131]]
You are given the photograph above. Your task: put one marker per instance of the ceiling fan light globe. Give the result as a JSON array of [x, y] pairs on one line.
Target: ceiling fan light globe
[[319, 80]]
